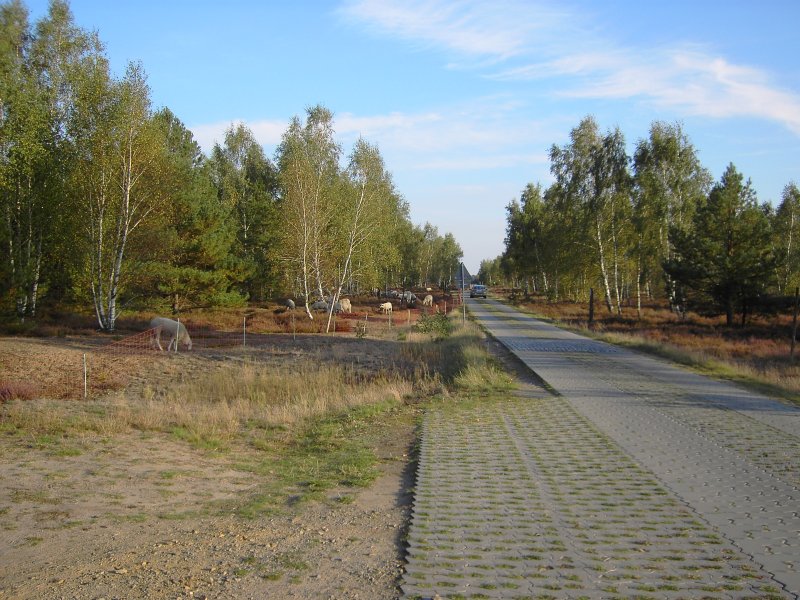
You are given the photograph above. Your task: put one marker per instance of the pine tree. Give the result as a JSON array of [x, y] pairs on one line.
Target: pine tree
[[726, 259]]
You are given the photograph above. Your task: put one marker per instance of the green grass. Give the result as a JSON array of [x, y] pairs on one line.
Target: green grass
[[329, 452], [200, 440]]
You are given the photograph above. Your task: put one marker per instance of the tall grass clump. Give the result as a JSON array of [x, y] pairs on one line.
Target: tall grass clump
[[460, 360], [217, 405], [222, 402]]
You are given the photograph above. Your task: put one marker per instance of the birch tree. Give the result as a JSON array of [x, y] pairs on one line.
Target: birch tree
[[117, 176], [787, 239], [308, 162], [21, 125], [38, 73], [591, 175], [368, 201], [670, 183]]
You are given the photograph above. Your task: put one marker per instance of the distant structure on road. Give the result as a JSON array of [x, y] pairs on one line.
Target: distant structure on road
[[461, 277]]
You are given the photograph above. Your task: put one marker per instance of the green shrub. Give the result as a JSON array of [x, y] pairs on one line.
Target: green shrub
[[437, 324]]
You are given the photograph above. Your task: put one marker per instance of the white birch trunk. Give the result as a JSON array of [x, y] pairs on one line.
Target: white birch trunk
[[603, 269]]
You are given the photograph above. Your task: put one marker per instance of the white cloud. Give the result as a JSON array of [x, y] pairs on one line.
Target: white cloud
[[537, 41], [490, 133], [689, 80], [486, 131], [495, 30]]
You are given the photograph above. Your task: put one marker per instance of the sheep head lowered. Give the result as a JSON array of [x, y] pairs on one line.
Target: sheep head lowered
[[176, 331]]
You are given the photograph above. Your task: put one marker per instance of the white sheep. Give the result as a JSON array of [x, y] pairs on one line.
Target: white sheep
[[176, 330], [347, 307], [290, 304], [427, 301], [386, 307]]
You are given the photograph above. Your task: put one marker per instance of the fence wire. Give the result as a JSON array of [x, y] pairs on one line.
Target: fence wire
[[64, 373]]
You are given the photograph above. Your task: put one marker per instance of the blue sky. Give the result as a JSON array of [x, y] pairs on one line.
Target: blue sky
[[465, 98]]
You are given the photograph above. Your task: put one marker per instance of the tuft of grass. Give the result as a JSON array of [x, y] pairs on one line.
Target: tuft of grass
[[16, 390]]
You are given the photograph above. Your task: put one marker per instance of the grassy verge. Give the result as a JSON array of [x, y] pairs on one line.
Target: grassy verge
[[771, 382]]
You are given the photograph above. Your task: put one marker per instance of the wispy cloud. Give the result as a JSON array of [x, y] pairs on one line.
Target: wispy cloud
[[487, 133], [523, 41], [488, 30], [687, 79]]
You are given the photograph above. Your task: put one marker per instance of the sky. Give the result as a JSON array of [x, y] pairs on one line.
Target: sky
[[465, 98]]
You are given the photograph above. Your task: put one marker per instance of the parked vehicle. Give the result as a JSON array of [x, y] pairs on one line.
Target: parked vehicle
[[477, 291]]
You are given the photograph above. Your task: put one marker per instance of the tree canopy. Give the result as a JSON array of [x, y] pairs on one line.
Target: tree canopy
[[106, 202], [648, 225]]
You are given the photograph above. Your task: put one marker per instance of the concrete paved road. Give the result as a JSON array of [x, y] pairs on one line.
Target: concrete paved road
[[638, 479]]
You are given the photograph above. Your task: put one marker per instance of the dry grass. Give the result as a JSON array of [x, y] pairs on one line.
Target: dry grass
[[16, 390], [222, 403], [299, 417], [459, 360], [757, 354], [217, 405]]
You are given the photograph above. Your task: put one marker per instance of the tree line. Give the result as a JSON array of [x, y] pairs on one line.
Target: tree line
[[653, 225], [106, 202]]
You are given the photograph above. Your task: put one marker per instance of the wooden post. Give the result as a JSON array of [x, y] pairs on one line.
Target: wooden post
[[794, 321], [244, 331], [591, 306], [85, 378], [409, 317]]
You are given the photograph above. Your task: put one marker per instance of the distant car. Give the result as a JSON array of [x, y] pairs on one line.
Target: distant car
[[478, 291]]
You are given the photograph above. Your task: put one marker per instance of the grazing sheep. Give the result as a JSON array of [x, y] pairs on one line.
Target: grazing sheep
[[290, 304], [386, 307], [347, 307], [320, 305], [176, 330], [427, 301]]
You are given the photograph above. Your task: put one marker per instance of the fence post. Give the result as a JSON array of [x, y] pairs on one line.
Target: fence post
[[177, 337], [591, 306], [294, 331], [409, 317], [85, 379], [244, 331]]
